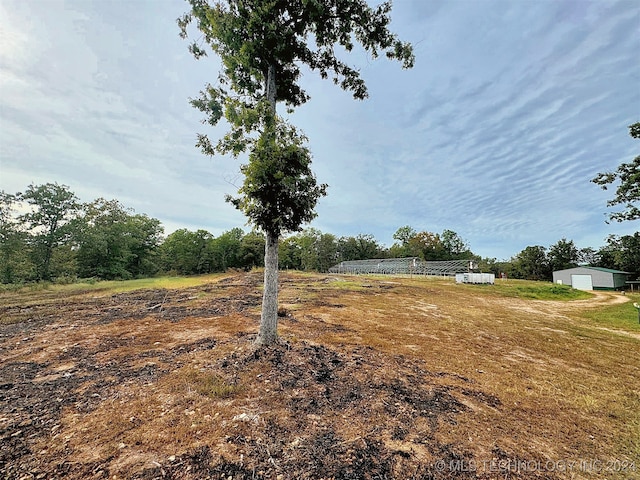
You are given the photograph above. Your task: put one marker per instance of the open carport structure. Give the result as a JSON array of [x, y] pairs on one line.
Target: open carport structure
[[591, 278], [406, 266]]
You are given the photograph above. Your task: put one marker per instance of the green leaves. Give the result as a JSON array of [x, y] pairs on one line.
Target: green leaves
[[115, 242], [53, 209], [628, 191], [280, 191], [251, 35], [262, 45]]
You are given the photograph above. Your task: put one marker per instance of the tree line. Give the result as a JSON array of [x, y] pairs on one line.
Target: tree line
[[538, 262], [47, 234]]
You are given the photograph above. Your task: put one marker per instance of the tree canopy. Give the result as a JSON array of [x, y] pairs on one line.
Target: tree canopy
[[280, 191], [251, 36], [51, 217], [628, 190], [563, 254], [262, 45]]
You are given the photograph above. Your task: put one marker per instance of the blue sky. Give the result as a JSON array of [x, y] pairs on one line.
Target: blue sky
[[512, 107]]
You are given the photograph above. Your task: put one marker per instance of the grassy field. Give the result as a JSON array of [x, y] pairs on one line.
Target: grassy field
[[375, 378]]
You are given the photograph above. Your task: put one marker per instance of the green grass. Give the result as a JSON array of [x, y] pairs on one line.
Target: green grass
[[117, 286], [511, 288], [156, 283], [538, 290], [623, 316]]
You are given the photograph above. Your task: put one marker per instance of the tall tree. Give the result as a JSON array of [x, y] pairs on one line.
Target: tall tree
[[628, 191], [532, 264], [403, 246], [289, 254], [307, 242], [429, 245], [361, 247], [404, 234], [621, 253], [455, 246], [263, 45], [143, 236], [226, 249], [252, 250], [309, 250], [563, 254], [630, 253], [103, 252], [187, 253], [50, 221], [115, 243], [327, 248], [15, 265], [588, 255]]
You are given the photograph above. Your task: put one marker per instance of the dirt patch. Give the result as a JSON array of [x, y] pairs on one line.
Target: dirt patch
[[562, 308], [159, 384], [306, 410]]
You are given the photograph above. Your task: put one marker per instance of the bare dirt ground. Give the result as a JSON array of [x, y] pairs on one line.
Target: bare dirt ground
[[372, 380]]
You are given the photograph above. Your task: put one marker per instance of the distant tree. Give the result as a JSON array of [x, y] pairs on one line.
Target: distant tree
[[429, 245], [327, 248], [289, 254], [628, 191], [307, 243], [588, 256], [64, 264], [563, 254], [404, 234], [51, 221], [532, 264], [403, 246], [263, 46], [15, 264], [252, 250], [629, 246], [144, 235], [492, 265], [226, 249], [311, 250], [455, 246], [621, 253], [7, 222], [608, 256], [115, 243], [360, 247], [103, 253], [187, 253]]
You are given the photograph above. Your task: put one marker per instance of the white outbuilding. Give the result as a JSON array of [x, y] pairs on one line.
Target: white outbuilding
[[591, 278]]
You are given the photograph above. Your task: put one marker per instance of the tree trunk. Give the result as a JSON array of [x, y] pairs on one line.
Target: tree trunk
[[270, 87], [268, 334]]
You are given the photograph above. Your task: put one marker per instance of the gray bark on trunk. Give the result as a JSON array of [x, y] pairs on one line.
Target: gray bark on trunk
[[270, 87], [268, 333]]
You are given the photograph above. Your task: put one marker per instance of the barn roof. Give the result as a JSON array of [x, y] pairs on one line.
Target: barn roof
[[601, 269]]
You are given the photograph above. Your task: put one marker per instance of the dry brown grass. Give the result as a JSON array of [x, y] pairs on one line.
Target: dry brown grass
[[375, 378]]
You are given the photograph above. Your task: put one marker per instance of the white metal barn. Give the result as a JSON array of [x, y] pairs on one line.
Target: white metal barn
[[591, 278]]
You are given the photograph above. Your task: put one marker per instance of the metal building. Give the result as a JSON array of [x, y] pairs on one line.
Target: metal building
[[406, 266], [591, 278]]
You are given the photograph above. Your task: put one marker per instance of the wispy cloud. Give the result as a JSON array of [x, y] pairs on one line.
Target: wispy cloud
[[511, 109]]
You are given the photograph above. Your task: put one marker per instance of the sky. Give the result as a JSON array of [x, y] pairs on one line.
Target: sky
[[513, 106]]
